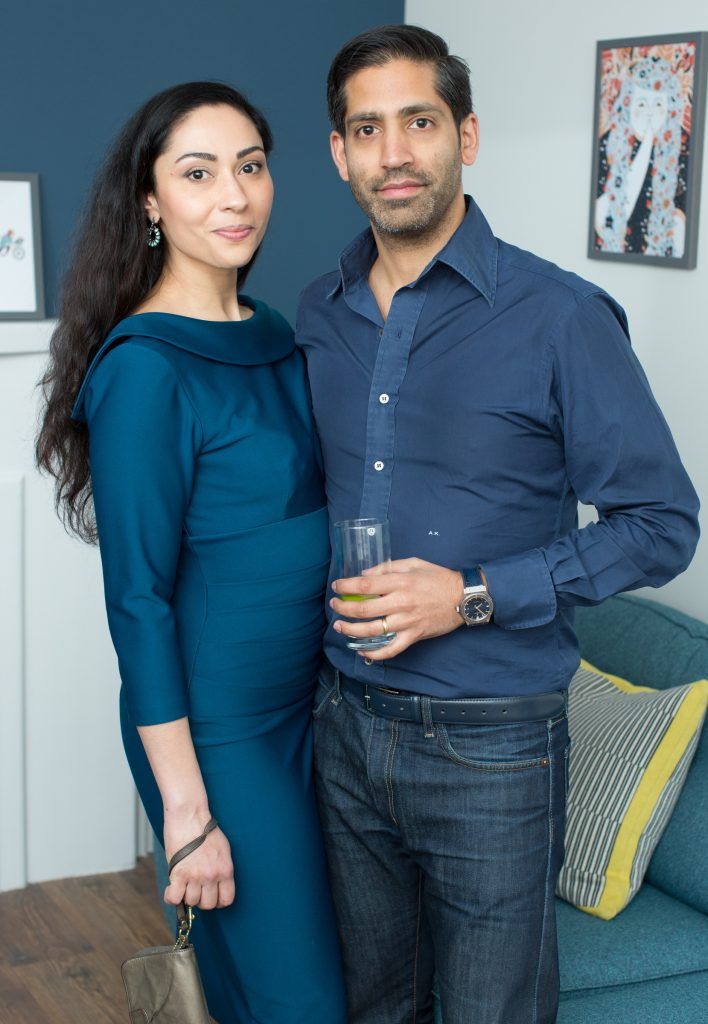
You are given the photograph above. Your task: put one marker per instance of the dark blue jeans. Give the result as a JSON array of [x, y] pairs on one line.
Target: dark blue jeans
[[444, 844]]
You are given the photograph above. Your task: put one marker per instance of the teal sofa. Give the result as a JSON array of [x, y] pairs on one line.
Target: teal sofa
[[649, 965]]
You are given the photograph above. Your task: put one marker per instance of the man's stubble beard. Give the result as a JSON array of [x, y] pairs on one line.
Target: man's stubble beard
[[427, 210]]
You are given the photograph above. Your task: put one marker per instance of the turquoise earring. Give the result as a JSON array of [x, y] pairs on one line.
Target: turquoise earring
[[154, 234]]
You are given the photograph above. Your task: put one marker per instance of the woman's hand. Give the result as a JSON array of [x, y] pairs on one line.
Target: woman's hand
[[205, 878]]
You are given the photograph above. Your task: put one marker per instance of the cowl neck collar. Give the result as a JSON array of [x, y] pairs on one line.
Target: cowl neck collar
[[265, 337]]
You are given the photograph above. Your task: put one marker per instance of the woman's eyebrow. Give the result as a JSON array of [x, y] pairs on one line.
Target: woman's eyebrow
[[249, 149], [199, 156], [210, 156]]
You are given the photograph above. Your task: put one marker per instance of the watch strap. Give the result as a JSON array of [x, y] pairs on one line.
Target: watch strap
[[472, 577]]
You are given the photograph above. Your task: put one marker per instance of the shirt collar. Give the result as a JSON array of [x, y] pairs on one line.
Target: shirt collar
[[472, 252]]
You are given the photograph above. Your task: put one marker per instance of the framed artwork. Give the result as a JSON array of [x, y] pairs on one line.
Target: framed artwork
[[650, 97], [21, 282]]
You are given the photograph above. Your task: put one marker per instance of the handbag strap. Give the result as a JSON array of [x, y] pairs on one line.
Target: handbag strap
[[185, 914], [191, 846]]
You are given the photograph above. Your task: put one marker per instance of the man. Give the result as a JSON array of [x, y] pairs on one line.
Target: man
[[470, 393]]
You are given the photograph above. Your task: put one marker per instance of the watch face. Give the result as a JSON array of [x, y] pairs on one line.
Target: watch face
[[478, 607]]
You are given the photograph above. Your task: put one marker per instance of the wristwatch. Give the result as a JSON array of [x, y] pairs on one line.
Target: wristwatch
[[476, 606]]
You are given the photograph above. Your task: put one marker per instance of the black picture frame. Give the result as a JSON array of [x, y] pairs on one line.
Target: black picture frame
[[15, 248], [635, 79]]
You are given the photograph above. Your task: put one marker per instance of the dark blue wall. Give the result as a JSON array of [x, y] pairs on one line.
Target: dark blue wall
[[73, 72]]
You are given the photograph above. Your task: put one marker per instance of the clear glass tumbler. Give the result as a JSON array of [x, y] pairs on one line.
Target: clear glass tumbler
[[362, 544]]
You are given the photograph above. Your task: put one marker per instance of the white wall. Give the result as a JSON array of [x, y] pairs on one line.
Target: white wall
[[67, 802], [533, 75]]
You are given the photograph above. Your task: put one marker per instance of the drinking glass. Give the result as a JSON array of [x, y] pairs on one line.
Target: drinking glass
[[362, 544]]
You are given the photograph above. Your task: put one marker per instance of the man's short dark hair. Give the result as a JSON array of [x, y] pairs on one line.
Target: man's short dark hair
[[380, 45]]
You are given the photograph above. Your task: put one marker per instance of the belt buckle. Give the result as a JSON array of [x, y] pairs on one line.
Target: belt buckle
[[367, 697]]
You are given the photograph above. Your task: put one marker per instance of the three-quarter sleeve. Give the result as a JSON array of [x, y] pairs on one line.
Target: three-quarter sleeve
[[144, 437], [621, 458]]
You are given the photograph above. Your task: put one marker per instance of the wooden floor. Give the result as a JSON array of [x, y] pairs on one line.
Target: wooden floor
[[62, 944]]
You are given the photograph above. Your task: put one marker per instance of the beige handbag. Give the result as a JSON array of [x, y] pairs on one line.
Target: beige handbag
[[163, 983]]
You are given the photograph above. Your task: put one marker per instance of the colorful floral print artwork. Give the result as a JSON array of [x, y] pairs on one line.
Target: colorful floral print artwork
[[644, 149]]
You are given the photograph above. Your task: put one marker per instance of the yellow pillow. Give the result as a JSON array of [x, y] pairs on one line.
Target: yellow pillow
[[631, 748]]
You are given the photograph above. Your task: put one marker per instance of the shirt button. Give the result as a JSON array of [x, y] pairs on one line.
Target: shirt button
[[378, 465], [383, 399], [380, 332]]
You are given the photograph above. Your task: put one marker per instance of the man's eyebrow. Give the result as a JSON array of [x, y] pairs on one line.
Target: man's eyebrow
[[420, 108], [210, 156], [367, 115], [410, 111]]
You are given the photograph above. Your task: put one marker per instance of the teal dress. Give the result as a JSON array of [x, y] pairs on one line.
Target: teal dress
[[214, 542]]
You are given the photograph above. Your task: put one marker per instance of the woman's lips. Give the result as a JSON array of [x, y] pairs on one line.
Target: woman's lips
[[234, 234]]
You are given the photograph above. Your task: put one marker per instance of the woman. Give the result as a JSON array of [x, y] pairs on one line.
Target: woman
[[179, 410]]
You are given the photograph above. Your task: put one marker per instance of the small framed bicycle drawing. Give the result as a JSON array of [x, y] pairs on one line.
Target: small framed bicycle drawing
[[650, 96], [21, 283]]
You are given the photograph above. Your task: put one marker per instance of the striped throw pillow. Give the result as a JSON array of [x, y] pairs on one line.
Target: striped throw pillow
[[631, 748]]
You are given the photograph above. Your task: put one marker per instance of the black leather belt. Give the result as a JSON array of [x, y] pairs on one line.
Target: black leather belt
[[388, 703]]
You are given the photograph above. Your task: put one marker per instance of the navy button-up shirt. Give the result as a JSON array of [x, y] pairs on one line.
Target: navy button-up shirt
[[499, 391]]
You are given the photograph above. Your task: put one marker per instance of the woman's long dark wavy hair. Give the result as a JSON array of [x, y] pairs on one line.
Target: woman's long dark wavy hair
[[111, 272]]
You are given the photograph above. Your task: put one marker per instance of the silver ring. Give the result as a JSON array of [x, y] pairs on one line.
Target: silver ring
[[384, 624]]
